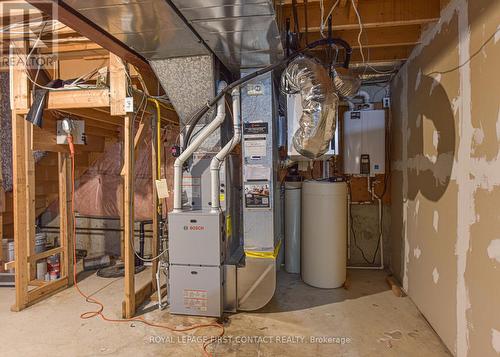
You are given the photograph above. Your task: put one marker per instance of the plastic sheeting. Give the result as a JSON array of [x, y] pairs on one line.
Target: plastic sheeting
[[100, 189], [317, 124], [5, 133]]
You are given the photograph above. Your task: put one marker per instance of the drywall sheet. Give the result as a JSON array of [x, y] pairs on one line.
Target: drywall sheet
[[446, 177]]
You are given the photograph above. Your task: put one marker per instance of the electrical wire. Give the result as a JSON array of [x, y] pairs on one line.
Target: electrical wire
[[360, 44], [322, 15], [325, 20], [360, 23], [492, 36], [100, 310]]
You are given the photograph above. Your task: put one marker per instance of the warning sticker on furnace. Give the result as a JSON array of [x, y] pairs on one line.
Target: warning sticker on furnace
[[196, 299]]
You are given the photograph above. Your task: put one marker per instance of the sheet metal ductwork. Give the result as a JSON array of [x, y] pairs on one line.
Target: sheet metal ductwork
[[317, 124], [242, 34]]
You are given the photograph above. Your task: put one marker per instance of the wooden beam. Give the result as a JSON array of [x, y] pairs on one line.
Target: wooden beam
[[352, 12], [117, 85], [77, 98], [34, 257], [380, 13], [37, 282], [128, 217], [378, 37], [20, 210], [66, 231], [10, 265], [73, 47], [377, 54], [46, 290], [68, 16]]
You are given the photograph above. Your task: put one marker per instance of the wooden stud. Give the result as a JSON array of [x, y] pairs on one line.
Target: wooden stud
[[154, 175], [2, 202], [117, 85], [30, 195], [128, 217], [66, 232], [139, 135], [19, 96], [20, 210], [140, 296]]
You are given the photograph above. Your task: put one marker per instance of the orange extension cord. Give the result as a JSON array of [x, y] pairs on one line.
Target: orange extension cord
[[99, 311]]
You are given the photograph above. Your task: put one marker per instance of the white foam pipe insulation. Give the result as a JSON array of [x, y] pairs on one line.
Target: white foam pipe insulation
[[200, 138], [363, 94], [216, 162]]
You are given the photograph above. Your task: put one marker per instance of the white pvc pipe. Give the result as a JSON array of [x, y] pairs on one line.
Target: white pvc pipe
[[179, 162], [216, 162], [361, 93]]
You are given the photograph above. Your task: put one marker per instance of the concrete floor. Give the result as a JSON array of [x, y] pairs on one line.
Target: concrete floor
[[371, 319]]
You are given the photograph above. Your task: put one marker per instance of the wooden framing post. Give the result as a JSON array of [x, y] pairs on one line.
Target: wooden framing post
[[66, 231], [30, 196], [117, 85], [128, 216], [20, 210], [154, 175], [19, 102]]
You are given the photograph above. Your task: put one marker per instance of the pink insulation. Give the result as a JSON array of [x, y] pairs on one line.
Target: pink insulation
[[99, 190]]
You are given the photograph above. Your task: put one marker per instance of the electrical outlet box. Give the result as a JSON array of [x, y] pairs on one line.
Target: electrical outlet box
[[386, 102], [129, 104], [78, 133]]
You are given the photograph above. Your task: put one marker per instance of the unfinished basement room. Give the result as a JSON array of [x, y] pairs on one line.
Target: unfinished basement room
[[250, 178]]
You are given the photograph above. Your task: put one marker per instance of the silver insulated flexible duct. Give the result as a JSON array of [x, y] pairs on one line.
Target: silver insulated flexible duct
[[319, 100]]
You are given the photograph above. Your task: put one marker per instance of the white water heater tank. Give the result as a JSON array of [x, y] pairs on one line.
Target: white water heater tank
[[324, 233], [364, 142]]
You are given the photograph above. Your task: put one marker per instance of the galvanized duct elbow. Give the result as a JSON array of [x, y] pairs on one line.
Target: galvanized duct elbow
[[317, 124]]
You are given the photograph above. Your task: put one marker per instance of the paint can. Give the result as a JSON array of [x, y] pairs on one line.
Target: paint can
[[53, 267], [40, 242], [8, 252], [41, 269], [53, 275]]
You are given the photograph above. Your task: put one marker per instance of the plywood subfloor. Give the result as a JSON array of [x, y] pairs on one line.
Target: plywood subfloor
[[375, 321]]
